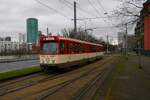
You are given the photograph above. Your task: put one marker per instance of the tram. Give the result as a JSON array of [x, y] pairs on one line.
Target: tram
[[60, 52]]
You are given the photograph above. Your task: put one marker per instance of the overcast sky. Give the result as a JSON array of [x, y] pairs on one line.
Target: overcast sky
[[13, 15]]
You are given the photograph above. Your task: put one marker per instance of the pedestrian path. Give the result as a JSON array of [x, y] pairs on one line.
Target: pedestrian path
[[127, 81]]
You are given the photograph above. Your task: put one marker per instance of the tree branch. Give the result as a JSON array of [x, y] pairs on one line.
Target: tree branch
[[134, 4]]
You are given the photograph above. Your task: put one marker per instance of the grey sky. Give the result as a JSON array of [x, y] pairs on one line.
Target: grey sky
[[13, 15]]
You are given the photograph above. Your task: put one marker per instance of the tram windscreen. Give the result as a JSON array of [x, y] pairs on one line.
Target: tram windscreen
[[50, 47]]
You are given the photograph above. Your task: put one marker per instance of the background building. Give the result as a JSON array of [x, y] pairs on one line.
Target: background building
[[22, 38], [32, 30], [131, 41], [8, 46], [142, 30], [8, 38], [121, 40]]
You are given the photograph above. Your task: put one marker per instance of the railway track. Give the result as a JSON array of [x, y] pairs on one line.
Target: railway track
[[23, 83], [19, 79], [58, 87], [88, 91], [62, 81], [52, 90], [83, 91]]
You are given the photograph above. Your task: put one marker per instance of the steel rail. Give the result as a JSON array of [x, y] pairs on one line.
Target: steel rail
[[20, 80], [2, 93], [52, 89], [91, 84], [86, 89], [61, 85]]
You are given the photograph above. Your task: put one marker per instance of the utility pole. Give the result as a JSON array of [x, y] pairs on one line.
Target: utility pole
[[126, 39], [107, 44], [75, 18], [85, 31], [139, 54], [85, 24], [47, 31]]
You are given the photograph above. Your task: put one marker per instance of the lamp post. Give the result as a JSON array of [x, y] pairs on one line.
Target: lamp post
[[139, 55]]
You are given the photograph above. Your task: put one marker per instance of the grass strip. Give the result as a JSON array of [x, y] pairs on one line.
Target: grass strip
[[18, 73]]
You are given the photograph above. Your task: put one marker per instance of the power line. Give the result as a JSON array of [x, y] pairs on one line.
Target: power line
[[105, 12], [84, 11], [94, 8], [104, 27], [92, 24], [100, 4], [66, 4], [52, 9], [95, 18], [99, 28]]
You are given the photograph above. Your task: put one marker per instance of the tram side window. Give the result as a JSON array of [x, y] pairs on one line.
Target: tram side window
[[71, 49], [77, 48], [62, 47], [80, 49], [93, 49], [83, 49]]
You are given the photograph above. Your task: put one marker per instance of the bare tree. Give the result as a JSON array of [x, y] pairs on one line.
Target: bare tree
[[129, 11], [81, 34]]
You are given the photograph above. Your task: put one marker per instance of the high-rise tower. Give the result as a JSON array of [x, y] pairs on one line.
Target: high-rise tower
[[32, 30]]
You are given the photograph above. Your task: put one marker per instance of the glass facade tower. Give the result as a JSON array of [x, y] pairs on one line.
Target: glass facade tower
[[32, 30]]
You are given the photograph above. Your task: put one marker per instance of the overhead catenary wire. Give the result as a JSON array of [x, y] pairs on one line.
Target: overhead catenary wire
[[52, 9], [105, 12], [96, 18], [94, 8], [60, 13], [105, 27], [69, 3], [91, 23], [69, 6], [79, 8], [66, 3], [84, 11], [100, 4], [109, 17]]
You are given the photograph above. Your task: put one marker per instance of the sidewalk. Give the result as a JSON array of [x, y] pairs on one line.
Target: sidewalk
[[127, 81]]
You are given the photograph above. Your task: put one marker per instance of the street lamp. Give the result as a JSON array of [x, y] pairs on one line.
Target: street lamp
[[139, 55]]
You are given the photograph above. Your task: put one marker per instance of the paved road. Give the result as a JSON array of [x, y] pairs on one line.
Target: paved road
[[17, 65]]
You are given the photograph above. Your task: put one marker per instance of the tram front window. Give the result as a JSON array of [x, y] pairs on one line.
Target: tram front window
[[50, 47]]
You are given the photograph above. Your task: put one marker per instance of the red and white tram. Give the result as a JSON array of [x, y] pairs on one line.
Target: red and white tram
[[61, 52]]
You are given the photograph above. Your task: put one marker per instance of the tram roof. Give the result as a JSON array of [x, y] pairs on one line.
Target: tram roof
[[70, 39], [76, 40]]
